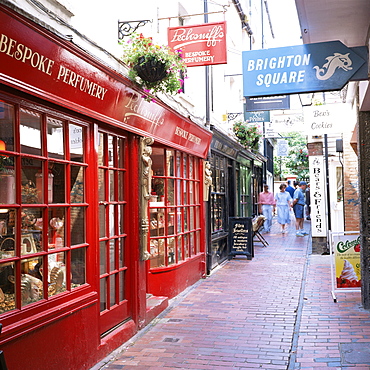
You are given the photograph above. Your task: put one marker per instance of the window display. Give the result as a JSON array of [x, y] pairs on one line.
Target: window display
[[174, 231], [36, 254]]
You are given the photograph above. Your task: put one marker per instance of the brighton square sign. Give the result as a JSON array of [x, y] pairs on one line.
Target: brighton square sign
[[325, 66]]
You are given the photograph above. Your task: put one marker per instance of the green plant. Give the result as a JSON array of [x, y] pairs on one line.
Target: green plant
[[139, 50], [248, 134]]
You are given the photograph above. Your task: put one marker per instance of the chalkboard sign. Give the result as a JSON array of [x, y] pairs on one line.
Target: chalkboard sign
[[240, 236]]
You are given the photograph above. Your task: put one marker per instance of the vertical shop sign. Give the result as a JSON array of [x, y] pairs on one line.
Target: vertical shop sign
[[201, 45], [317, 193]]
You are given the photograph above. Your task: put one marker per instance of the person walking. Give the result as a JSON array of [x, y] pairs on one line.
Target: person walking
[[298, 208], [290, 189], [283, 205], [266, 206], [308, 203]]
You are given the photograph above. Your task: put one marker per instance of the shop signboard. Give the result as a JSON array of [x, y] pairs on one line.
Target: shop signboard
[[282, 148], [327, 119], [35, 61], [201, 45], [324, 66], [241, 237], [317, 194], [346, 261], [267, 103], [258, 116]]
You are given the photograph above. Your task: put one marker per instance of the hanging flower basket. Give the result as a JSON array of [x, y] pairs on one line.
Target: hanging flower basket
[[155, 68], [151, 70], [248, 134]]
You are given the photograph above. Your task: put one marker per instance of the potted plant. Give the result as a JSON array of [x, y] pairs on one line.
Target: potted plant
[[155, 68], [248, 134]]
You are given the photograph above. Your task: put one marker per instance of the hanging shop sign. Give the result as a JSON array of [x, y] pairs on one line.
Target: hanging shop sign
[[288, 122], [240, 236], [35, 61], [258, 116], [201, 45], [267, 103], [317, 194], [282, 148], [327, 119], [325, 66]]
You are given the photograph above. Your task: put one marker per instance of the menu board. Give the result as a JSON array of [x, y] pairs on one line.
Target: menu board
[[240, 236]]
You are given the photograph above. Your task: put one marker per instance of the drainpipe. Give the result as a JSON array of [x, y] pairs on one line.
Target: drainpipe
[[208, 114]]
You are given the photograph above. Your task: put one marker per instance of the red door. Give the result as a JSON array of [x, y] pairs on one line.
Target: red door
[[113, 253]]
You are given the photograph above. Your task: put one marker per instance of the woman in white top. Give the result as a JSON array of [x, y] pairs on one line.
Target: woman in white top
[[283, 205]]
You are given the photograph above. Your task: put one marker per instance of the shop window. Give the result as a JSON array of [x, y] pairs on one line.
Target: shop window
[[174, 208], [42, 232], [218, 205], [244, 190]]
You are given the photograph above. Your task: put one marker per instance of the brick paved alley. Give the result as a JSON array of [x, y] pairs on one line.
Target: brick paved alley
[[273, 312]]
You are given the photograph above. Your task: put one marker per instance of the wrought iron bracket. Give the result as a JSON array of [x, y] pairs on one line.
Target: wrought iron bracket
[[232, 116], [125, 28]]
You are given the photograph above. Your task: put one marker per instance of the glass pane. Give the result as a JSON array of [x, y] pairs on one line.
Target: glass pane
[[103, 258], [192, 243], [101, 221], [32, 189], [178, 164], [185, 169], [101, 149], [179, 220], [103, 294], [169, 163], [171, 247], [101, 189], [121, 251], [7, 284], [55, 183], [197, 234], [196, 171], [78, 267], [31, 223], [157, 253], [7, 179], [7, 231], [186, 245], [31, 287], [6, 126], [122, 286], [112, 255], [111, 151], [55, 138], [178, 192], [185, 192], [192, 221], [77, 189], [196, 192], [56, 231], [158, 188], [30, 132], [170, 192], [76, 141], [158, 161], [186, 219], [112, 283], [179, 248], [191, 192], [57, 273], [121, 219], [171, 221], [111, 186], [120, 184], [121, 153], [112, 228], [77, 225], [191, 173]]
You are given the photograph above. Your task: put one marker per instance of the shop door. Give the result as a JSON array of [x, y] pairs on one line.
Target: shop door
[[114, 271]]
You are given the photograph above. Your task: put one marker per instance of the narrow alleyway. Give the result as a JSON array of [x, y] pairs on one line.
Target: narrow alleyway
[[273, 312]]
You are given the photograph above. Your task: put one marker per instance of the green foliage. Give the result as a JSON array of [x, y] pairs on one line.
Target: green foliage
[[248, 134], [139, 50], [296, 163]]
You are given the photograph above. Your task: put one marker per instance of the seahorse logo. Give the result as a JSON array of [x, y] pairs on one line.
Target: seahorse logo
[[333, 62]]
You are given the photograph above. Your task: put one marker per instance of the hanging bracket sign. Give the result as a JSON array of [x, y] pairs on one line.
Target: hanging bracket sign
[[324, 66]]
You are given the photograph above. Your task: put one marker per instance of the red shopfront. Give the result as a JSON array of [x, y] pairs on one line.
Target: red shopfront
[[100, 202]]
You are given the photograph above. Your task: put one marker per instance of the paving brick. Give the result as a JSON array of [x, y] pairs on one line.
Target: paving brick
[[245, 316]]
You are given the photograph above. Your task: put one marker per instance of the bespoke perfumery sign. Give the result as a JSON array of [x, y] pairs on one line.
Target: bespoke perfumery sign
[[324, 66], [201, 45]]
